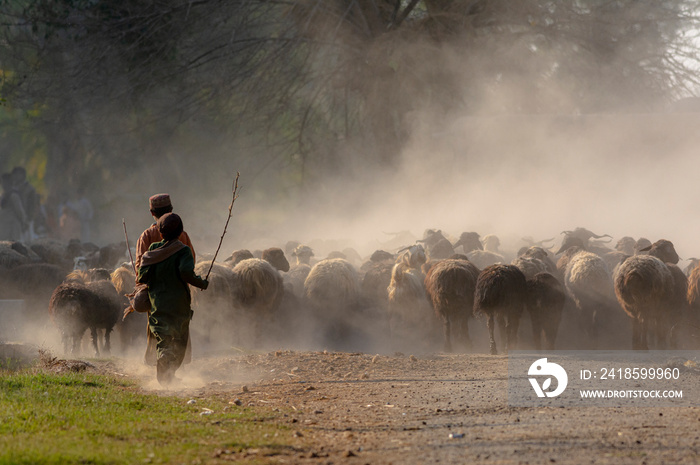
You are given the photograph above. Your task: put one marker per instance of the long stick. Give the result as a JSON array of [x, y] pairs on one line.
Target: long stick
[[133, 265], [230, 208]]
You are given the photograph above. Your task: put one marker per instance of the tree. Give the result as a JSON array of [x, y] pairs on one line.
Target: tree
[[303, 88]]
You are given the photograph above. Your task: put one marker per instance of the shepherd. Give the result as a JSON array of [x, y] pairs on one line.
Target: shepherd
[[167, 268], [159, 205]]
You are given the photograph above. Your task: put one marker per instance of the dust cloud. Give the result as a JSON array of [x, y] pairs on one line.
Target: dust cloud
[[514, 176], [498, 164]]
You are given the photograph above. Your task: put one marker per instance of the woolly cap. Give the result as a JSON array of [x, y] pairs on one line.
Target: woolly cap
[[170, 226], [159, 201]]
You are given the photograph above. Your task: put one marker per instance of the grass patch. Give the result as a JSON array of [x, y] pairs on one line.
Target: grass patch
[[48, 418]]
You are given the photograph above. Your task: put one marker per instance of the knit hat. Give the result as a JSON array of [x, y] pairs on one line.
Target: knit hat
[[159, 201], [170, 226]]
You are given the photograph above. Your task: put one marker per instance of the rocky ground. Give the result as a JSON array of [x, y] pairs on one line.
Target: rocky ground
[[402, 409], [356, 408]]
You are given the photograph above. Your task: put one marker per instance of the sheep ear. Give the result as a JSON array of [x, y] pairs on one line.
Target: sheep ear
[[645, 249]]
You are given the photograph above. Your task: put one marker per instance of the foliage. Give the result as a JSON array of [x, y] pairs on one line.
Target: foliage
[[133, 92]]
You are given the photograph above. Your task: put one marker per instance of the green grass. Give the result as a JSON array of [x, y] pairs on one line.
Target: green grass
[[93, 419]]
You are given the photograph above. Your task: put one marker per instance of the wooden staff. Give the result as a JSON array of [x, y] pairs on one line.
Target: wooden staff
[[230, 208], [133, 265], [128, 309]]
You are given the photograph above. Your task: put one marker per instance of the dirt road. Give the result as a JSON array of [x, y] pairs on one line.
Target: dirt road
[[401, 409]]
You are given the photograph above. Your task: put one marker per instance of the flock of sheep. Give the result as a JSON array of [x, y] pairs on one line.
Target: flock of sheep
[[434, 294]]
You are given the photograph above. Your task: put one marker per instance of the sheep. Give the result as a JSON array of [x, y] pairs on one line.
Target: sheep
[[450, 286], [546, 297], [585, 236], [374, 285], [530, 266], [431, 237], [693, 299], [642, 243], [70, 309], [336, 254], [111, 255], [215, 316], [663, 250], [238, 256], [378, 257], [295, 278], [678, 307], [642, 286], [542, 255], [132, 327], [441, 250], [257, 294], [563, 262], [9, 257], [52, 251], [353, 256], [411, 322], [397, 240], [484, 258], [469, 241], [676, 303], [532, 243], [413, 256], [303, 254], [332, 291], [275, 256], [692, 264], [290, 246], [614, 258], [500, 294], [34, 283], [588, 280], [491, 242], [626, 245], [80, 303]]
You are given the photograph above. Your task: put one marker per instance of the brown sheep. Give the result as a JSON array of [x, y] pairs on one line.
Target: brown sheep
[[450, 286], [441, 250], [546, 297], [643, 284], [541, 254], [375, 283], [675, 304], [275, 256], [501, 292], [295, 278], [79, 304], [469, 241]]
